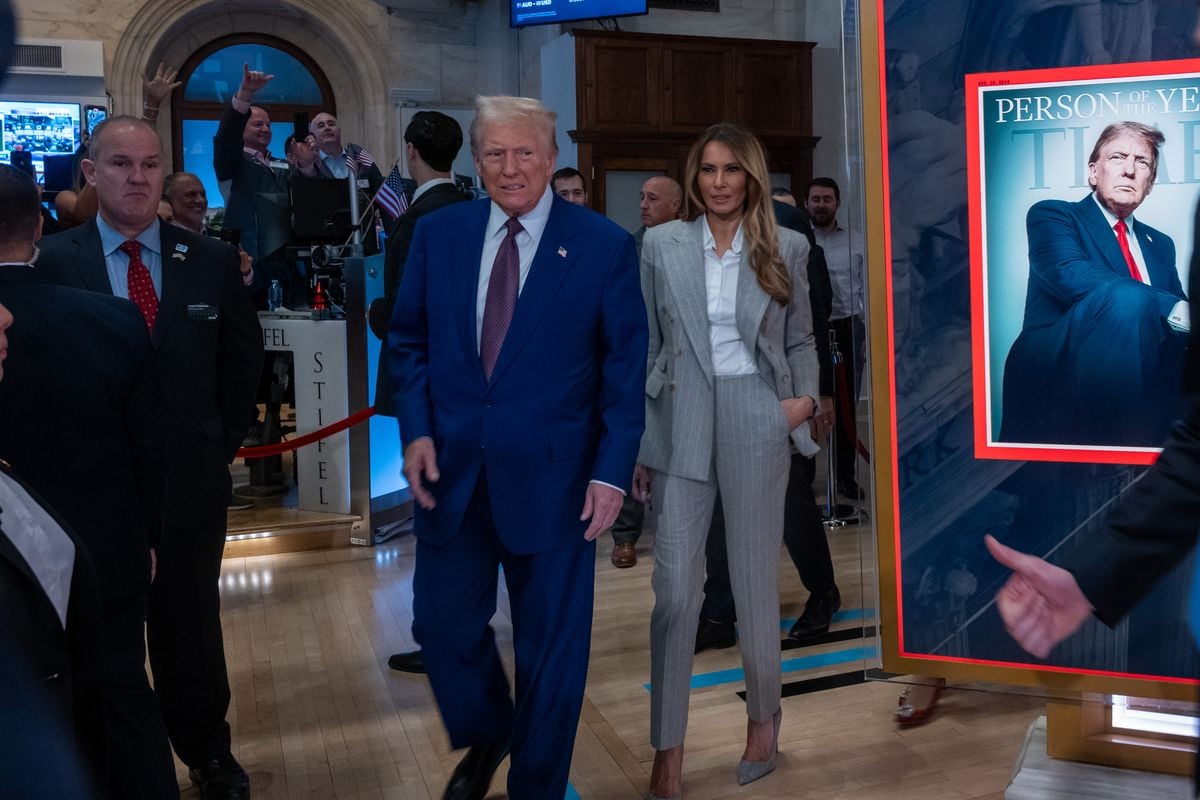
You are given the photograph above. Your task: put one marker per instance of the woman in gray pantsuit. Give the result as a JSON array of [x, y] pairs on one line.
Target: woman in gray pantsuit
[[732, 371]]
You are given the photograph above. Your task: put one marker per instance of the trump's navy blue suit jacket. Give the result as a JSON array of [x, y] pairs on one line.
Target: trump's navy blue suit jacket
[[1073, 251], [566, 401]]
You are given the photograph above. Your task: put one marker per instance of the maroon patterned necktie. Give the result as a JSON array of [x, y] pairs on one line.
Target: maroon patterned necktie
[[141, 287], [501, 298]]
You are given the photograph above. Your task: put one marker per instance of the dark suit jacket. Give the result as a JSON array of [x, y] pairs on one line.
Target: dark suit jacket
[[1159, 518], [439, 196], [82, 420], [51, 715], [1073, 254], [208, 346], [1072, 251], [251, 180], [566, 402], [372, 174], [820, 288]]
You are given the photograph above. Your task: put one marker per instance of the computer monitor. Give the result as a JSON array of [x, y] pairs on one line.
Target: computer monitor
[[320, 210], [37, 128]]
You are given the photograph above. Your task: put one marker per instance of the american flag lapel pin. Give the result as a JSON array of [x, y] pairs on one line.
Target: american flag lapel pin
[[562, 251]]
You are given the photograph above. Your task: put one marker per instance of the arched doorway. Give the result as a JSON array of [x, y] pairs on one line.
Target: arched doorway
[[212, 74]]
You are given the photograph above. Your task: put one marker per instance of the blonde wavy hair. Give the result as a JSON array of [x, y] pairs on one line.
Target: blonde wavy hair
[[758, 217]]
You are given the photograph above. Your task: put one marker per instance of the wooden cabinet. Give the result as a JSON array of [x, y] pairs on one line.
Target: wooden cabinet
[[645, 98]]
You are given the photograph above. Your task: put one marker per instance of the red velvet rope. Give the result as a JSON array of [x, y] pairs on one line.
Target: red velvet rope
[[300, 441]]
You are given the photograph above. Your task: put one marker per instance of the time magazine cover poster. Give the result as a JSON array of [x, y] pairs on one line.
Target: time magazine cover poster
[[1079, 349]]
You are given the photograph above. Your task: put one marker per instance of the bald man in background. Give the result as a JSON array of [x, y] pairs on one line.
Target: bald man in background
[[661, 198]]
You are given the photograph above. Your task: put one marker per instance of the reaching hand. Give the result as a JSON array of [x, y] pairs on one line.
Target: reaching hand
[[601, 504], [1041, 604], [156, 89], [420, 462], [252, 82]]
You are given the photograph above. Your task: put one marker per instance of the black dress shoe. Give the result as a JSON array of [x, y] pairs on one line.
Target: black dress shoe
[[818, 613], [221, 778], [473, 774], [713, 635], [408, 662]]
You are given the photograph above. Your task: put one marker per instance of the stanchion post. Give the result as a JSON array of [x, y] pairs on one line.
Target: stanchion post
[[836, 514]]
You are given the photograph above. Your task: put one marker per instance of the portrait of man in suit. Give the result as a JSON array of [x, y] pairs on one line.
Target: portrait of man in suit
[[518, 352], [1098, 358]]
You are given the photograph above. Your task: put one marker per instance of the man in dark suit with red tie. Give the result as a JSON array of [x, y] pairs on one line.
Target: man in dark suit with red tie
[[1098, 358], [208, 348], [518, 352]]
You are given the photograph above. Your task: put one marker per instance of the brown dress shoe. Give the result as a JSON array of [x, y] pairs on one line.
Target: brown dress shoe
[[624, 555]]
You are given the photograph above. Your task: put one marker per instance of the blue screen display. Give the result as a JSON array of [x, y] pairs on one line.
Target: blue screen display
[[546, 12]]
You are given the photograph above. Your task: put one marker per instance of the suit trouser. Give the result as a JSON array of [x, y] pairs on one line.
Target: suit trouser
[[550, 596], [803, 534], [1107, 373], [850, 337], [749, 468], [138, 760], [628, 527], [187, 650]]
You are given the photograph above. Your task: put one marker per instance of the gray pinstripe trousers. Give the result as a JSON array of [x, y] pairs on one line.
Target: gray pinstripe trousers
[[750, 469]]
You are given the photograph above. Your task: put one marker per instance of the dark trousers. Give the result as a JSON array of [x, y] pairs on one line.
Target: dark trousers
[[550, 595], [138, 759], [187, 650], [628, 527], [803, 534], [850, 336]]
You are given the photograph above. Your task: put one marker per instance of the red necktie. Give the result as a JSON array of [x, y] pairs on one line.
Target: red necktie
[[141, 287], [501, 298], [1123, 240]]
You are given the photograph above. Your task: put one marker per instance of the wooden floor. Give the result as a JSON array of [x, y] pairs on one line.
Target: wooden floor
[[317, 714]]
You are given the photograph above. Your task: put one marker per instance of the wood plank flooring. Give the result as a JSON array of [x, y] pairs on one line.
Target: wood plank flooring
[[317, 714]]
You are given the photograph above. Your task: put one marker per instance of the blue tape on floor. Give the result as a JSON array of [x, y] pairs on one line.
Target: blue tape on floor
[[705, 679], [571, 793]]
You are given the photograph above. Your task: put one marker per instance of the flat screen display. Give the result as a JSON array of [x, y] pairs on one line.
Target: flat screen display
[[547, 12], [41, 129]]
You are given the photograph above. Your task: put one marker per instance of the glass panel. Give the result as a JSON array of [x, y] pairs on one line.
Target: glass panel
[[622, 196], [198, 156], [218, 77]]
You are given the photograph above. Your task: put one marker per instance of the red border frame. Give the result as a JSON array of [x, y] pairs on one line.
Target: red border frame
[[973, 83], [986, 448]]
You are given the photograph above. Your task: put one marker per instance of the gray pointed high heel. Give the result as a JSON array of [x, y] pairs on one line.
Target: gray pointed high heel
[[750, 771]]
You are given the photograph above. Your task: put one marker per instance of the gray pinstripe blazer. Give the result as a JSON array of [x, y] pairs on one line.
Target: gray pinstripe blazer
[[679, 372]]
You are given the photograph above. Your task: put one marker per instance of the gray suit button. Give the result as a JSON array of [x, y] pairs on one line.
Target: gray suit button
[[672, 386]]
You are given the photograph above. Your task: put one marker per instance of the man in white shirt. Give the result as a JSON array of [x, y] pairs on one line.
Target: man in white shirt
[[844, 257]]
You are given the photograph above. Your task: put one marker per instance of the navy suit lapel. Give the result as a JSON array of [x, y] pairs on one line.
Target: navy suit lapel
[[465, 255], [554, 258], [1156, 263], [174, 257], [1105, 240], [89, 259]]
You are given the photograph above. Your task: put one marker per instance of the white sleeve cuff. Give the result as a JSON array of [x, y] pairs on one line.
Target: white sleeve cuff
[[240, 106], [609, 485], [1180, 317]]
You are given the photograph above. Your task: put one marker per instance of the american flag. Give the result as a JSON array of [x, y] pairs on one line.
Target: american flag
[[390, 196], [359, 158]]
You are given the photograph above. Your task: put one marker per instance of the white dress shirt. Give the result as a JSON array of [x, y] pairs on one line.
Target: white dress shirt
[[844, 257], [429, 184], [730, 355], [44, 545], [534, 224]]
